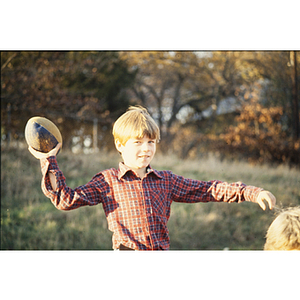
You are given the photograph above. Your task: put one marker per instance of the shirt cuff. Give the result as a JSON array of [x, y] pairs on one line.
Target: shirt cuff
[[48, 164], [251, 193]]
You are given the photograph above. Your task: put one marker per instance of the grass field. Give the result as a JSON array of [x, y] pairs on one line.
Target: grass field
[[30, 222]]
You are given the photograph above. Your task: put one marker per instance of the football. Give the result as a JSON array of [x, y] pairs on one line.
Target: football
[[42, 134]]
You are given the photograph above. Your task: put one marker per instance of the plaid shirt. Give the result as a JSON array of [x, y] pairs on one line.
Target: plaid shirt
[[137, 210]]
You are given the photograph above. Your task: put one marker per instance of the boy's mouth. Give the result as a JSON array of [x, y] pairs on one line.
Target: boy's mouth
[[144, 156]]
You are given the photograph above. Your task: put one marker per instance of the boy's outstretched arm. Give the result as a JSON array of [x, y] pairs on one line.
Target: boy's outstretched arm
[[54, 185], [269, 197], [41, 155]]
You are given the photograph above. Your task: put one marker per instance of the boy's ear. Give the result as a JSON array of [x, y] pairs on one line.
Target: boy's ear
[[118, 145]]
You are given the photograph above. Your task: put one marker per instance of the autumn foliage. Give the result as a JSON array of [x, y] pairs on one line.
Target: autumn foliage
[[259, 136], [83, 93]]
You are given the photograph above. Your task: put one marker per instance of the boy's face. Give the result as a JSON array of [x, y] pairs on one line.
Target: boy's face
[[137, 153]]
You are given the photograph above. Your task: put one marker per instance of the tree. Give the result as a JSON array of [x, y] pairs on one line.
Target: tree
[[296, 125], [279, 71], [258, 136], [165, 83], [170, 83], [178, 87], [70, 88]]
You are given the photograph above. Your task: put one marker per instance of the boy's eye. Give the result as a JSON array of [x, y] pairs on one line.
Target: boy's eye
[[138, 142]]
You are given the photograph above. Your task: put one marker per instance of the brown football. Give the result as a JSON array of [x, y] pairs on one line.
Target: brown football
[[42, 134]]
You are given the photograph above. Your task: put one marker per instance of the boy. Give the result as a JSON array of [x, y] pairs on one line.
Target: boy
[[136, 198], [284, 232]]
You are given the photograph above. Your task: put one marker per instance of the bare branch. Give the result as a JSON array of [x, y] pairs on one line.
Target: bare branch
[[7, 61]]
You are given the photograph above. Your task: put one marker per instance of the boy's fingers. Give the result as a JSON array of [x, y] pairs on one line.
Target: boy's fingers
[[55, 150], [40, 155], [272, 200], [269, 197], [30, 149], [33, 152], [261, 204]]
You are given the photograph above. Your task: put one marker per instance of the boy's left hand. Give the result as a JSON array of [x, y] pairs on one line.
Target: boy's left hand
[[42, 155], [269, 197]]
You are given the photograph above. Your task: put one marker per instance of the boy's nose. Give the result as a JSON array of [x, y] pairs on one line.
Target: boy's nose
[[145, 147]]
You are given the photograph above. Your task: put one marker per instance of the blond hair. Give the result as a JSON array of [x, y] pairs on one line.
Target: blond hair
[[284, 232], [136, 122]]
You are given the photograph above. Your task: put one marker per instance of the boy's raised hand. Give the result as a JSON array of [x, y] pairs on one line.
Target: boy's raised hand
[[269, 197], [41, 155]]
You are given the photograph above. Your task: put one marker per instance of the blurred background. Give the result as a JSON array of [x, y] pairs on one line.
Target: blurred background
[[244, 103], [228, 115]]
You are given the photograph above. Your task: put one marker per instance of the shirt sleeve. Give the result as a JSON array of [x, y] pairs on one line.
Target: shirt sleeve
[[65, 198], [192, 191]]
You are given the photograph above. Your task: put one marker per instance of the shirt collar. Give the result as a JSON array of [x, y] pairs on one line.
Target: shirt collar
[[123, 169]]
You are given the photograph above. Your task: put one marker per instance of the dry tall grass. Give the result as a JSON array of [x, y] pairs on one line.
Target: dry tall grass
[[29, 221]]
